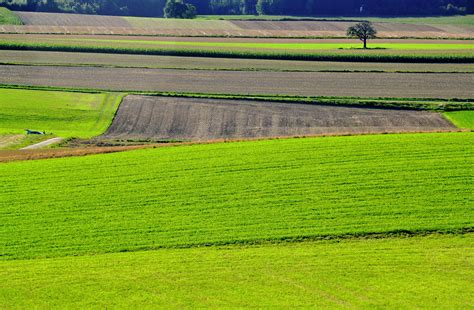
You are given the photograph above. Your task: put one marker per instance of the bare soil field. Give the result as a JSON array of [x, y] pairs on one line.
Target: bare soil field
[[90, 24], [145, 117], [151, 61], [55, 19], [15, 155], [342, 84]]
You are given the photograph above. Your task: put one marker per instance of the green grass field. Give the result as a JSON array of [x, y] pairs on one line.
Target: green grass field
[[351, 55], [64, 114], [433, 272], [234, 193], [462, 119], [289, 46], [7, 17]]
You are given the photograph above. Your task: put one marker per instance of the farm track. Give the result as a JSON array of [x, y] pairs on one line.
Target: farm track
[[392, 85], [143, 117], [43, 144], [86, 24], [203, 63]]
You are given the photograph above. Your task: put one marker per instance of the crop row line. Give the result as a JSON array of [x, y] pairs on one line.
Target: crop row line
[[238, 54]]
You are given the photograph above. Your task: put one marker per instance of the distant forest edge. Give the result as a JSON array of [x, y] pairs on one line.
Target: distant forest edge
[[154, 8]]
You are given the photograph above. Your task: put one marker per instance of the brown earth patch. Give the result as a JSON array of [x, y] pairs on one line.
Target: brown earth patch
[[365, 84], [161, 118], [151, 61], [84, 20], [16, 155], [94, 24]]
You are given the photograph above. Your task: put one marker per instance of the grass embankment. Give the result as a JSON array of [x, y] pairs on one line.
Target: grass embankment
[[64, 114], [355, 55], [7, 17], [237, 193], [462, 119], [429, 272]]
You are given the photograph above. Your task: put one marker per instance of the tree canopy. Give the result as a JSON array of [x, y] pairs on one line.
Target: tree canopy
[[278, 7], [179, 9], [363, 31]]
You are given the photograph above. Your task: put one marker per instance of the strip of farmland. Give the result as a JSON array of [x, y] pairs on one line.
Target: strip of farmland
[[152, 61], [73, 23], [228, 193], [423, 272], [392, 47], [392, 85], [204, 119]]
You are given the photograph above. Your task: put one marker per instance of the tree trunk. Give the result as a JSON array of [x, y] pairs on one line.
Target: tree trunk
[[365, 43]]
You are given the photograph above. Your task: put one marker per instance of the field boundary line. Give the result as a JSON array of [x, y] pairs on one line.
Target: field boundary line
[[5, 45], [395, 234], [91, 65]]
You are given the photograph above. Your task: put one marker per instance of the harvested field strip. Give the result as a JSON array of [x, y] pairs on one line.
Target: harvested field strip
[[434, 104], [114, 24], [435, 270], [57, 19], [186, 119], [355, 55], [202, 63], [63, 114], [236, 193], [426, 21], [388, 85], [462, 119]]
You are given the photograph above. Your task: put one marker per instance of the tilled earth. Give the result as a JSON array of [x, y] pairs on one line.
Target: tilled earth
[[164, 118], [153, 61], [341, 84], [94, 24]]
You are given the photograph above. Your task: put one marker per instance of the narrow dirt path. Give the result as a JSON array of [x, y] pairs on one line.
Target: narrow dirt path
[[43, 144]]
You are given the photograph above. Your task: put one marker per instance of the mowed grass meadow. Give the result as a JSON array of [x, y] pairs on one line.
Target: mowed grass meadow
[[237, 193], [420, 272], [64, 114], [7, 17]]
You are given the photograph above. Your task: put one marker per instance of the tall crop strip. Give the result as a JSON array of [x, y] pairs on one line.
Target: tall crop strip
[[236, 193]]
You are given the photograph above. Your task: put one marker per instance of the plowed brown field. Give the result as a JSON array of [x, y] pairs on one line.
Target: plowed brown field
[[206, 119], [151, 61], [94, 24], [392, 85]]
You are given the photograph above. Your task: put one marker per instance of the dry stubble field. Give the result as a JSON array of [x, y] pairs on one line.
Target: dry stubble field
[[153, 61], [72, 23], [365, 84]]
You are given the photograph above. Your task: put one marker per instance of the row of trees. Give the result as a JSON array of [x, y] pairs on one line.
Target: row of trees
[[249, 7]]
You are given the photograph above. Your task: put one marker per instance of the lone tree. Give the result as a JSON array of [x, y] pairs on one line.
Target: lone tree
[[179, 9], [363, 31]]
